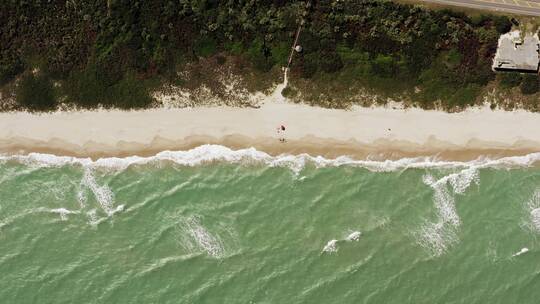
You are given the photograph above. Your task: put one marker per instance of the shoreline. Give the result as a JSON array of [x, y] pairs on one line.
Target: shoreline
[[376, 133]]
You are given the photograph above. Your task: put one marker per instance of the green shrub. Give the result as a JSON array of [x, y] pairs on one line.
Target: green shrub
[[310, 65], [10, 68], [289, 92], [510, 80], [280, 53], [205, 47], [260, 56], [330, 62], [453, 58], [435, 84], [502, 24], [85, 88], [383, 66], [479, 19], [36, 93], [464, 96], [235, 48], [129, 93], [530, 84]]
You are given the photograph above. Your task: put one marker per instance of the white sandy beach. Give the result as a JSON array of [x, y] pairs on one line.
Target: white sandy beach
[[362, 132]]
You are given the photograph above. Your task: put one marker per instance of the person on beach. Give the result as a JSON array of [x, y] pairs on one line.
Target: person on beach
[[280, 130]]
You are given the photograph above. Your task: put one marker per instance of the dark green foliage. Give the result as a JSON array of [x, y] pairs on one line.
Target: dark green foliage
[[36, 93], [447, 85], [9, 68], [280, 53], [386, 66], [105, 52], [464, 96], [288, 92], [205, 47], [260, 55], [87, 89], [330, 62], [310, 65], [510, 80], [453, 58], [502, 24], [129, 93], [234, 48], [530, 84], [480, 20]]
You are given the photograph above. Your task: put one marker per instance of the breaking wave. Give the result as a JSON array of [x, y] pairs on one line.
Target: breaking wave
[[217, 153]]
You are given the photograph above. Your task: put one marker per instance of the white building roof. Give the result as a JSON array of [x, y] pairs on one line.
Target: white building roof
[[517, 53]]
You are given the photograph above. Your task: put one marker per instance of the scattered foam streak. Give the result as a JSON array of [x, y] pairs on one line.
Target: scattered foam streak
[[436, 237], [63, 212], [533, 208], [522, 251], [439, 235], [103, 194], [354, 236], [331, 246], [200, 238]]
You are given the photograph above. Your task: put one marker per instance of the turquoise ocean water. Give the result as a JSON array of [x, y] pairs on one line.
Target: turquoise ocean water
[[211, 225]]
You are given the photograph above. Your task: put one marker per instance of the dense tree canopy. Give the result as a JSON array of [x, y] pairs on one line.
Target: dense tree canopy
[[105, 48]]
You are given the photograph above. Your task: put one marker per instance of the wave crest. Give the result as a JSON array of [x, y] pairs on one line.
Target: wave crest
[[217, 153]]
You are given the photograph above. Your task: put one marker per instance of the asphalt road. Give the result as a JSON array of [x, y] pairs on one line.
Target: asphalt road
[[520, 7]]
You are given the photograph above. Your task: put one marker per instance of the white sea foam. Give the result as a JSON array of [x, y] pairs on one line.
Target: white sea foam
[[331, 246], [437, 236], [533, 208], [522, 251], [195, 236], [535, 218], [81, 196], [63, 212], [212, 153], [354, 236], [103, 194]]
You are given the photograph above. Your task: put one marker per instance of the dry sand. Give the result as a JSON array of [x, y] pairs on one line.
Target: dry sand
[[360, 132]]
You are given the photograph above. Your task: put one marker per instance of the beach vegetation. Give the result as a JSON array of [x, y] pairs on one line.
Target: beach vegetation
[[113, 53], [510, 80], [530, 84], [205, 46], [36, 93]]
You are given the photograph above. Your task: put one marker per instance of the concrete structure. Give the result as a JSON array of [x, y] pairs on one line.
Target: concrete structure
[[517, 53]]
